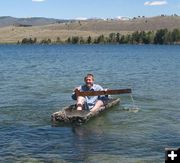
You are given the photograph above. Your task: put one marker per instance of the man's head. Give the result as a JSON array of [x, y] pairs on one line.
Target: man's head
[[89, 80]]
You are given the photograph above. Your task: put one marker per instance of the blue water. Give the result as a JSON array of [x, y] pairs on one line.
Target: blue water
[[37, 80]]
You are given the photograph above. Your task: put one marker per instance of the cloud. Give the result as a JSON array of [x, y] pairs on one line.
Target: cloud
[[155, 3], [38, 0]]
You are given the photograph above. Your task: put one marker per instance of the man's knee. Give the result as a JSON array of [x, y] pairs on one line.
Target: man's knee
[[80, 103], [80, 100], [99, 102]]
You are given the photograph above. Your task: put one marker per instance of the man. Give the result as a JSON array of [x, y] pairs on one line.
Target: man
[[90, 102]]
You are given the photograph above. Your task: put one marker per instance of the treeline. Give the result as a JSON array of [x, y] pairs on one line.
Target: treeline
[[162, 36]]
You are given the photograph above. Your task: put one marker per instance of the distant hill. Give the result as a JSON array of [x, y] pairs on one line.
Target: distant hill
[[135, 24], [139, 23], [33, 21], [15, 29]]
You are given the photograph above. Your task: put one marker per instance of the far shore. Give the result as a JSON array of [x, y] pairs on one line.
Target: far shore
[[142, 30], [161, 36]]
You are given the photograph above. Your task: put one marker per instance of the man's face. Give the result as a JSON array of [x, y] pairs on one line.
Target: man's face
[[89, 81]]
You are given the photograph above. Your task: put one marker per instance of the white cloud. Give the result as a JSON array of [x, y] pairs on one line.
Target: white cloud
[[38, 0], [155, 3]]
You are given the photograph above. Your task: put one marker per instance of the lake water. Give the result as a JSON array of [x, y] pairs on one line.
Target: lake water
[[37, 80]]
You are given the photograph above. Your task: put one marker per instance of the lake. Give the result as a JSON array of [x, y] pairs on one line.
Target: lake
[[37, 80]]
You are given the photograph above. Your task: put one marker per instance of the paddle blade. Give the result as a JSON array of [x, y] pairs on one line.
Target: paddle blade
[[103, 92]]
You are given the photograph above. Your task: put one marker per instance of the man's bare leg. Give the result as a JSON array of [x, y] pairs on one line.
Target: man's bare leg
[[98, 104], [80, 102]]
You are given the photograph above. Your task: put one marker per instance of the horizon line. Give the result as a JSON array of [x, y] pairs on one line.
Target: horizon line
[[86, 18]]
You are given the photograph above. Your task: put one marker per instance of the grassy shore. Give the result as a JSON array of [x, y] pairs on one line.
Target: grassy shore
[[93, 28]]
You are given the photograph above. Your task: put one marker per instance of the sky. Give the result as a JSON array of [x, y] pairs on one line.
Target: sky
[[72, 9]]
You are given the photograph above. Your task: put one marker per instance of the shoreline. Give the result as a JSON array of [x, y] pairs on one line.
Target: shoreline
[[98, 30], [161, 36], [85, 44]]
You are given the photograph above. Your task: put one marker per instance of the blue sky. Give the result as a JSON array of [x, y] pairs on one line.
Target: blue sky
[[67, 9]]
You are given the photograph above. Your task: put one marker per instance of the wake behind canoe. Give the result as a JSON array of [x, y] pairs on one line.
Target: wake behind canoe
[[71, 115]]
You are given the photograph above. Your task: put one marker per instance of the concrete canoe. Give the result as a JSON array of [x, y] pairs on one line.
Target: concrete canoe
[[71, 115]]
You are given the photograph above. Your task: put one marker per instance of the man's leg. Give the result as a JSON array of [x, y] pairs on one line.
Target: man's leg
[[98, 104], [80, 102]]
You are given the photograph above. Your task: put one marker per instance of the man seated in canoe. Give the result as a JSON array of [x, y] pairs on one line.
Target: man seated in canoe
[[91, 103]]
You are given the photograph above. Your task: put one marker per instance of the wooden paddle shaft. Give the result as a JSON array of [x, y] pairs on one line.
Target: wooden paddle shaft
[[103, 92]]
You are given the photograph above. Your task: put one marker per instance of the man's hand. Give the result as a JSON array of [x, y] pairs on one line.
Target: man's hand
[[77, 88]]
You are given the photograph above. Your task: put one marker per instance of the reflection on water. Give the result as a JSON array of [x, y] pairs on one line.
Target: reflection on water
[[86, 131]]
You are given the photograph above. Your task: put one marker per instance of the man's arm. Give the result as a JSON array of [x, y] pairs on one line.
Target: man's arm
[[73, 96]]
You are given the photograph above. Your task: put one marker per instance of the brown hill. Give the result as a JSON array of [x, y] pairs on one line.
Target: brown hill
[[85, 28]]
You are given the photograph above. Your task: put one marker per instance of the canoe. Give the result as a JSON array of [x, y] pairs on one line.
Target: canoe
[[71, 115]]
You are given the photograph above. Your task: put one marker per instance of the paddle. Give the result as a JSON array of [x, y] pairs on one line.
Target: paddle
[[103, 92]]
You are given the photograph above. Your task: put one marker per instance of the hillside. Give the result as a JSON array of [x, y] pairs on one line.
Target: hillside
[[33, 21], [52, 28]]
